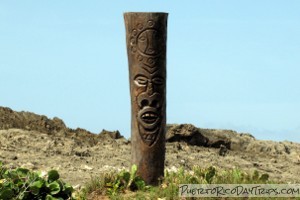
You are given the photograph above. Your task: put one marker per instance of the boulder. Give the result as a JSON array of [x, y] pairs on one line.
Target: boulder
[[29, 121], [110, 134], [194, 136]]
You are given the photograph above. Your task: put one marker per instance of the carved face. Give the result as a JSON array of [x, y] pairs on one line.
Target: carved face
[[149, 41], [147, 45], [149, 88]]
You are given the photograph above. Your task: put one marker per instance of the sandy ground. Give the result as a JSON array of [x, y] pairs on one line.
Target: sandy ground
[[77, 163], [79, 155]]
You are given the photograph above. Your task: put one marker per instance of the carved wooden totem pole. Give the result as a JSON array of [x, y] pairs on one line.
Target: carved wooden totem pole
[[146, 35]]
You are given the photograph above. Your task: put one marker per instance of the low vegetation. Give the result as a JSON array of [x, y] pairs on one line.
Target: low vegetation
[[23, 184], [127, 185]]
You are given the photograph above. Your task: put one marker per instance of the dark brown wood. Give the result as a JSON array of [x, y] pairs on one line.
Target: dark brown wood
[[146, 35]]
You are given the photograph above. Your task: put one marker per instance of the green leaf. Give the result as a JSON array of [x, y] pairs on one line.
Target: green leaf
[[35, 190], [52, 176], [36, 186], [133, 170], [132, 175], [68, 189], [211, 171], [6, 194], [139, 182], [255, 175], [264, 177], [38, 183], [54, 188], [11, 175], [125, 176], [22, 172], [237, 174], [50, 197]]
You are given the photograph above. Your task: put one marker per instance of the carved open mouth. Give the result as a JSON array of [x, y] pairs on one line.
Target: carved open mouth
[[149, 117], [149, 124]]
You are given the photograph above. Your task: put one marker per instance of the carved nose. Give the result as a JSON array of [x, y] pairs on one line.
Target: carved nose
[[150, 88], [151, 101], [144, 103]]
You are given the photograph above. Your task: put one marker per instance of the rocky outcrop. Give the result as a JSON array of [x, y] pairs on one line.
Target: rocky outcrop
[[29, 121], [228, 140], [37, 142], [194, 136], [187, 133], [110, 134]]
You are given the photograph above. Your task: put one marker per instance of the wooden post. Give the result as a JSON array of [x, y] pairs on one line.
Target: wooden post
[[146, 35]]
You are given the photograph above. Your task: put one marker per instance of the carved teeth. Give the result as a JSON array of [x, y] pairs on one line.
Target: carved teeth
[[149, 115], [149, 119]]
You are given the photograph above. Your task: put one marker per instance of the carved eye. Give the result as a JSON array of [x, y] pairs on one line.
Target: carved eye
[[158, 81], [142, 38], [141, 80]]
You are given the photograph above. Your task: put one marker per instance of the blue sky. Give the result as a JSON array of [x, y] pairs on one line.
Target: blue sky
[[230, 64]]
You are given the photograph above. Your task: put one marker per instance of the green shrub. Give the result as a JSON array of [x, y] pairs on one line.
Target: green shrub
[[125, 181], [23, 184], [127, 185]]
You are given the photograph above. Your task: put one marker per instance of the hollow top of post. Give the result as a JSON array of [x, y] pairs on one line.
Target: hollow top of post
[[138, 16], [145, 13]]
